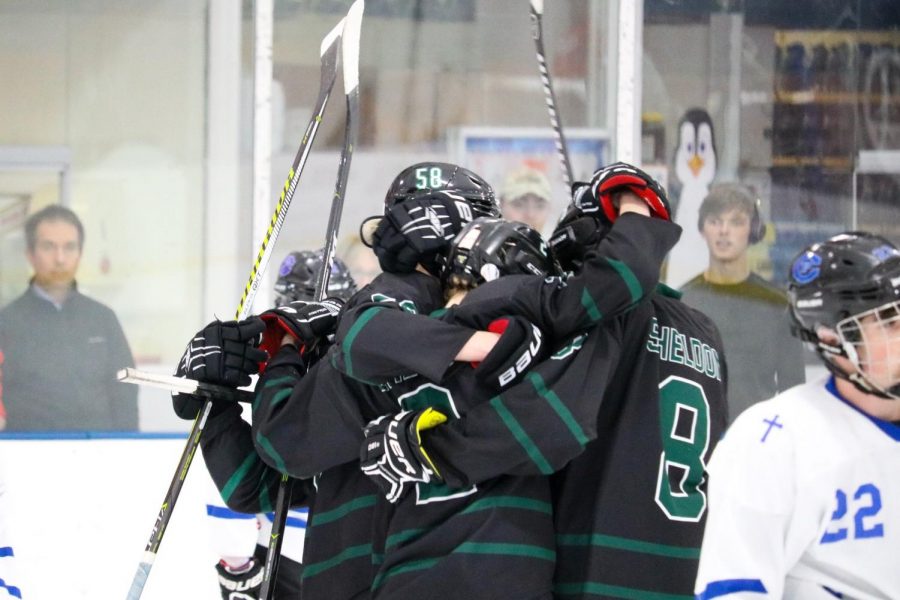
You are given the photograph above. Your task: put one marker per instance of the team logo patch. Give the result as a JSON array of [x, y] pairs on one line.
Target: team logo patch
[[806, 268]]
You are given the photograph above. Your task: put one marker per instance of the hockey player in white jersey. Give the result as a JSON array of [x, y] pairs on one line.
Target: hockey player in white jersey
[[804, 494]]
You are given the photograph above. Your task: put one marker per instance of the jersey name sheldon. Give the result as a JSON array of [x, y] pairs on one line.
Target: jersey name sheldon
[[675, 347]]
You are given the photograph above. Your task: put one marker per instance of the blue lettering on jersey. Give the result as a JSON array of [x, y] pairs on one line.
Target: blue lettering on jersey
[[867, 502]]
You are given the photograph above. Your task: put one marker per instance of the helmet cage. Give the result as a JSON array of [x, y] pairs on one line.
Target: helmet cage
[[862, 336]]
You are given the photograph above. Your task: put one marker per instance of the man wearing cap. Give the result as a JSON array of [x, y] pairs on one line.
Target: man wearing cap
[[526, 197]]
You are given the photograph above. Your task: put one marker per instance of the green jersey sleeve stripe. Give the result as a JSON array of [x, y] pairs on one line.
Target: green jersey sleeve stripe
[[628, 277], [238, 476], [264, 442], [342, 510], [526, 442], [612, 591], [288, 380], [347, 346], [620, 543], [558, 407], [313, 569], [587, 301]]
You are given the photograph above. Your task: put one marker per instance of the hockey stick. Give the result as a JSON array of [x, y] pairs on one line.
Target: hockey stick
[[328, 53], [350, 58], [182, 385], [537, 32]]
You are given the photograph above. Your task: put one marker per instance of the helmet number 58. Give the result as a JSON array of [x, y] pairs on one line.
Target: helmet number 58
[[429, 177]]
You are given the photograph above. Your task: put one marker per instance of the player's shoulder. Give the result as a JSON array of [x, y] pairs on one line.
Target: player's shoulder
[[414, 292], [670, 309], [797, 416]]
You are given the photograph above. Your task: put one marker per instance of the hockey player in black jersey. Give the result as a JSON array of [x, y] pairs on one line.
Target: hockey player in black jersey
[[629, 506], [246, 484], [305, 439]]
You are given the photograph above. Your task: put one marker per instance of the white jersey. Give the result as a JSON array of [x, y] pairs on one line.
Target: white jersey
[[804, 502]]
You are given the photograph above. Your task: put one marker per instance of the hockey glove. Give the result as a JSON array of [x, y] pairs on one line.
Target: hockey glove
[[394, 253], [575, 233], [224, 353], [304, 320], [392, 454], [518, 349], [618, 177], [245, 583], [425, 225]]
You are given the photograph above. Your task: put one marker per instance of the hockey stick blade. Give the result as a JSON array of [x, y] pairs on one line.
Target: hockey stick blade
[[350, 57], [181, 385], [328, 56], [537, 32]]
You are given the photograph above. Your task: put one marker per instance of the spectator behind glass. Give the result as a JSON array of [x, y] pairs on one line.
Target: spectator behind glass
[[751, 314], [525, 197], [61, 349]]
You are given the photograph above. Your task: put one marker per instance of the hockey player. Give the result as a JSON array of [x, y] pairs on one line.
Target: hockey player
[[629, 506], [305, 448], [228, 450], [804, 489]]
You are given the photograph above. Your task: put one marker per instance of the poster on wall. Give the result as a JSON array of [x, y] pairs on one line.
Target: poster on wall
[[494, 152]]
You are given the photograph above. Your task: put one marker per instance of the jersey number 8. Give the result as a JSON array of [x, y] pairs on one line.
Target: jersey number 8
[[684, 427]]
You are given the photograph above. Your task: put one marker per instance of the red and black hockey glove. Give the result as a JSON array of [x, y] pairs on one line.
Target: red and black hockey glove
[[392, 454], [599, 199], [305, 320], [519, 348], [224, 353]]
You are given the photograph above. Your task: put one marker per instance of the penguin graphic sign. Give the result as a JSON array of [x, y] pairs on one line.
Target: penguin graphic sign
[[695, 169]]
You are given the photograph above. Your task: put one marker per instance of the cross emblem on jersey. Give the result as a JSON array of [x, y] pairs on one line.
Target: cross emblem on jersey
[[773, 423]]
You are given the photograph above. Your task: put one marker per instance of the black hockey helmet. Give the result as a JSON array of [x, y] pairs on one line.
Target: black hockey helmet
[[298, 273], [487, 248], [836, 284], [459, 183]]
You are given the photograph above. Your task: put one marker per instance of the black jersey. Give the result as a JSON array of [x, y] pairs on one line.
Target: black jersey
[[311, 428], [629, 507]]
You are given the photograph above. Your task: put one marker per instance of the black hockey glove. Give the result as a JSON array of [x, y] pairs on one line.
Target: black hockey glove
[[245, 584], [306, 321], [519, 348], [417, 230], [617, 177], [224, 353], [392, 454], [575, 233], [394, 253]]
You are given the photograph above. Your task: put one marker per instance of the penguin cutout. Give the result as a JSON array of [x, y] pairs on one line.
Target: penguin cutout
[[695, 168]]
